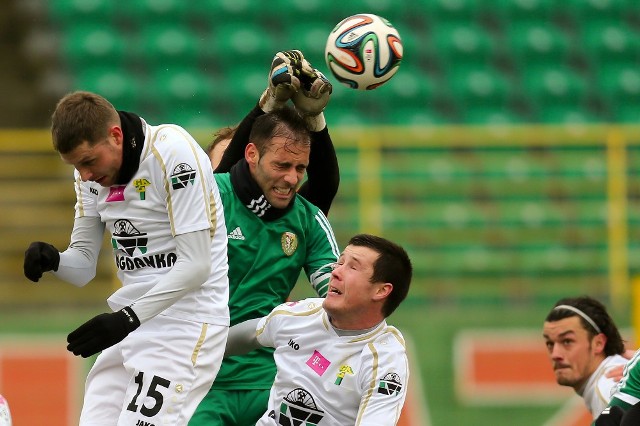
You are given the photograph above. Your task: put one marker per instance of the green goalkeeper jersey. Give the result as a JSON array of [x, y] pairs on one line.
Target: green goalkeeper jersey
[[265, 261]]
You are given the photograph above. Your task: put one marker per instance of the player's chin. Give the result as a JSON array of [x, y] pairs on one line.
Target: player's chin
[[564, 380]]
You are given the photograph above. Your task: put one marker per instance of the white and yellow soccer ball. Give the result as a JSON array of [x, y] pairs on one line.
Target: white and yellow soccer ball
[[364, 51]]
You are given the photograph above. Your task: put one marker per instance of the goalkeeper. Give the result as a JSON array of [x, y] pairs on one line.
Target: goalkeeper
[[274, 234]]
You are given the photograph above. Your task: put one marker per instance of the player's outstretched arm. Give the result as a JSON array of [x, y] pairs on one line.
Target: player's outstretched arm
[[239, 141], [323, 174], [242, 338], [282, 82], [75, 265]]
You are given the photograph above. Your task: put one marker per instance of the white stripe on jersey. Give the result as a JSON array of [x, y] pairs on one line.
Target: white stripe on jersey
[[324, 224]]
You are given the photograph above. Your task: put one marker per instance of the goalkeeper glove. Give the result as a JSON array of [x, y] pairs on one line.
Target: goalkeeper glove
[[312, 98], [39, 258], [102, 331], [283, 80]]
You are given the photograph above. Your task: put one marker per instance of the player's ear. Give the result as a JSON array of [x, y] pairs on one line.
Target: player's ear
[[599, 342], [116, 133], [383, 291], [251, 154]]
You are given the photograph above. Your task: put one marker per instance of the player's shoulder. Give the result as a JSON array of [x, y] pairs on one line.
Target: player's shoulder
[[306, 207], [170, 137], [224, 182], [614, 360], [302, 307], [387, 339], [310, 216]]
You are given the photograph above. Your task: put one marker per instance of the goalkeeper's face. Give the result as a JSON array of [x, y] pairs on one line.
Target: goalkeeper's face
[[574, 353], [279, 170]]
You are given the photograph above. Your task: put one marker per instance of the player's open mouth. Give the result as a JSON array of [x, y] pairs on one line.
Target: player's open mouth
[[334, 290], [282, 191]]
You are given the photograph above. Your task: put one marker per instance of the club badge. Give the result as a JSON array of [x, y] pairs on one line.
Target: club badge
[[289, 242], [141, 186]]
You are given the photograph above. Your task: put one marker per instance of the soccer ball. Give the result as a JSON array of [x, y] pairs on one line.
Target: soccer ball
[[363, 51]]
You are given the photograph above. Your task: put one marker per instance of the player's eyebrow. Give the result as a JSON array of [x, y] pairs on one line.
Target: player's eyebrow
[[563, 334]]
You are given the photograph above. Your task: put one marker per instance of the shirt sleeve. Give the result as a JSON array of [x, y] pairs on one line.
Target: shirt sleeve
[[270, 327], [384, 378], [323, 253], [185, 177], [78, 262], [323, 173], [235, 150], [190, 271]]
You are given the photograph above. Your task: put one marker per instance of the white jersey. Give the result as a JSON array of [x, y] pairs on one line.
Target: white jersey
[[598, 390], [325, 378], [172, 193]]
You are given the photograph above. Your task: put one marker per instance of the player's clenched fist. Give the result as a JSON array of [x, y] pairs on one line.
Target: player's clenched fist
[[313, 96], [102, 331], [39, 258], [283, 81]]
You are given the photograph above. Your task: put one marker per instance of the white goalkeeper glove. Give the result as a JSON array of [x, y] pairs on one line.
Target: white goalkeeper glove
[[312, 97], [283, 80]]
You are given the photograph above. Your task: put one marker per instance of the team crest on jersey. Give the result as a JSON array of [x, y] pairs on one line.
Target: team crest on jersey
[[182, 176], [289, 242], [390, 384], [126, 237], [141, 186], [299, 408], [344, 370]]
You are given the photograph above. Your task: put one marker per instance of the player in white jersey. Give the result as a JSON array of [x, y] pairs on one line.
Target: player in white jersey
[[153, 188], [584, 344], [338, 362]]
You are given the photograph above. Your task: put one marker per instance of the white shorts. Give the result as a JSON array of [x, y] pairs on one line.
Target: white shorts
[[156, 376]]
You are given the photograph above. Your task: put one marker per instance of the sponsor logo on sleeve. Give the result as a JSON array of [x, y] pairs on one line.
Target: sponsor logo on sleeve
[[390, 384], [183, 175]]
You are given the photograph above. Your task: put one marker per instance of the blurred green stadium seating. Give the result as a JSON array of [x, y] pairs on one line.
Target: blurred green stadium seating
[[536, 43], [537, 54]]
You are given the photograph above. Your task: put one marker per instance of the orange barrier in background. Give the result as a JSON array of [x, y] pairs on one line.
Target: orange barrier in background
[[40, 381], [509, 367]]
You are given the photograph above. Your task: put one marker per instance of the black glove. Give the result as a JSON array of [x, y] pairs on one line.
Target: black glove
[[611, 416], [39, 258], [102, 331]]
